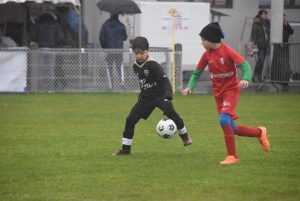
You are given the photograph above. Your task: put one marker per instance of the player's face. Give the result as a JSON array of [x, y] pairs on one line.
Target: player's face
[[206, 44], [141, 55]]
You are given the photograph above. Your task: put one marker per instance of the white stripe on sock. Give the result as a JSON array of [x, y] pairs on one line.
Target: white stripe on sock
[[182, 131], [126, 141]]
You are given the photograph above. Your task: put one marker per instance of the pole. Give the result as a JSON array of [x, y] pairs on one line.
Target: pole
[[79, 27], [240, 44], [173, 56]]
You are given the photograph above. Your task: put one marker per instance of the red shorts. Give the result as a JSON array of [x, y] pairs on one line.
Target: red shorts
[[227, 104]]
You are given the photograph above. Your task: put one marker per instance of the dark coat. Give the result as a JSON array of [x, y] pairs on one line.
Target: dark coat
[[112, 34], [47, 32], [259, 31], [287, 31]]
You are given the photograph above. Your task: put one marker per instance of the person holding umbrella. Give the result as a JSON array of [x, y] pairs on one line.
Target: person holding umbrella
[[112, 35]]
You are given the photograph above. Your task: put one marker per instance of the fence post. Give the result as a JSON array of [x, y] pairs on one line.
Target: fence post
[[178, 65]]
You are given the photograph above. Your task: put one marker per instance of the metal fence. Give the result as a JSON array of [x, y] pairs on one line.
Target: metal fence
[[283, 64], [91, 70]]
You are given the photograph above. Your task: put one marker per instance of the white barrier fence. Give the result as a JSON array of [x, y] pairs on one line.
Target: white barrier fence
[[78, 70], [283, 64]]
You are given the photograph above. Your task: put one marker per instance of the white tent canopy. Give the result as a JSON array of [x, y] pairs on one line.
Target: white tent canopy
[[74, 2], [70, 3]]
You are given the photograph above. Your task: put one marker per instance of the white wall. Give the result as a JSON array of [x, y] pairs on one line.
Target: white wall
[[232, 24]]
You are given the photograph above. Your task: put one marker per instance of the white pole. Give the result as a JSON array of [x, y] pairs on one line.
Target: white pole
[[276, 21]]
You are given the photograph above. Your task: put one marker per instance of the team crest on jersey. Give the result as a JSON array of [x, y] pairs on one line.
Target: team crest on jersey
[[222, 60], [146, 72]]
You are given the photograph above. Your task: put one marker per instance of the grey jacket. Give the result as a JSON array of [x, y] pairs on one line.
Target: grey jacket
[[260, 33]]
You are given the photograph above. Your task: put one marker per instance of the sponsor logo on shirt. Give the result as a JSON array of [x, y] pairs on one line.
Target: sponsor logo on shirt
[[145, 85], [146, 72], [221, 75]]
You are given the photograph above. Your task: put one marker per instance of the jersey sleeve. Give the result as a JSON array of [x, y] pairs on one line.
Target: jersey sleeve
[[242, 63], [198, 71], [245, 67], [234, 56], [194, 78], [164, 80], [202, 62]]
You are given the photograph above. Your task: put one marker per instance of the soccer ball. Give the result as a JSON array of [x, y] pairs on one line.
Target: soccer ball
[[166, 128]]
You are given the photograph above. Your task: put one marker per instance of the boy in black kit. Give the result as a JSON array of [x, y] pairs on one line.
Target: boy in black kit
[[156, 91]]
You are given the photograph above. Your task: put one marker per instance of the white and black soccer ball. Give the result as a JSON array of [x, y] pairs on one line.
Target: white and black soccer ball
[[166, 128]]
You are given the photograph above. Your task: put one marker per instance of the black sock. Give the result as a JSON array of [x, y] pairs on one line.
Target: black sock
[[126, 147], [183, 136]]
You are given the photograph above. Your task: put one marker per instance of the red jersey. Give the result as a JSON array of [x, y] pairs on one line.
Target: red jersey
[[222, 63]]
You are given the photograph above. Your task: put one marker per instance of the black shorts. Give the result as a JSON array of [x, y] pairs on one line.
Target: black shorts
[[143, 108]]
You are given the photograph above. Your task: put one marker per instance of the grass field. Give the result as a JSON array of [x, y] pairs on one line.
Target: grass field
[[59, 146]]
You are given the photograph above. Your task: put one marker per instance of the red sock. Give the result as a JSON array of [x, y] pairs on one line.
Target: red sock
[[229, 140], [247, 131]]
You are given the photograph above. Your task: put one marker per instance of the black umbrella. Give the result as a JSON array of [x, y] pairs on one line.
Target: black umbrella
[[119, 6]]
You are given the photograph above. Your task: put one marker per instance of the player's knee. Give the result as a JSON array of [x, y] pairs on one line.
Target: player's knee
[[130, 121], [224, 119]]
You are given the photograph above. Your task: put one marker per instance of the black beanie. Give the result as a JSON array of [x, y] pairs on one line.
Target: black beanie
[[212, 32]]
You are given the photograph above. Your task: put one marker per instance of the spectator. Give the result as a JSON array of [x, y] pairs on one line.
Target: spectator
[[112, 35], [280, 67], [286, 33], [47, 34], [260, 35]]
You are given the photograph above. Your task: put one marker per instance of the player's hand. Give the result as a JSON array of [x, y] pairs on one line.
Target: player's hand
[[186, 91], [243, 84]]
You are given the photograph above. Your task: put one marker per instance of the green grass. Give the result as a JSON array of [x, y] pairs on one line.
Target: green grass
[[59, 146]]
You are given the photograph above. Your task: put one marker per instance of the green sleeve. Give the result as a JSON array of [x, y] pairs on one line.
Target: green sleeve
[[245, 67], [194, 78]]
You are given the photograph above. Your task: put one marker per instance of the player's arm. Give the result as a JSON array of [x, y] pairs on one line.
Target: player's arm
[[244, 66], [194, 79], [247, 74], [165, 81], [192, 83], [168, 87], [196, 74]]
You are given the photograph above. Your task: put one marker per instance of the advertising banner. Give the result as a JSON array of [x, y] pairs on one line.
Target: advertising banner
[[13, 70]]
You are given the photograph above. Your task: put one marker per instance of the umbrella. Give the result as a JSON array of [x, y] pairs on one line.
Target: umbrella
[[119, 6]]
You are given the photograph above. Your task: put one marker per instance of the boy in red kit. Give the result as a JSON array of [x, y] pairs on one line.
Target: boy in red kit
[[222, 62]]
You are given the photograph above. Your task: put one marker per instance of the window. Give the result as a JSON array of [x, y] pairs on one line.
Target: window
[[287, 4], [214, 3]]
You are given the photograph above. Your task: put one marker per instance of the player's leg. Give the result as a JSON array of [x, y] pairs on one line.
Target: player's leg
[[229, 139], [226, 108], [138, 111], [168, 109], [260, 133]]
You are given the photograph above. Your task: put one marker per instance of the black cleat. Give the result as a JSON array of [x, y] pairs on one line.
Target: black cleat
[[186, 139], [121, 152]]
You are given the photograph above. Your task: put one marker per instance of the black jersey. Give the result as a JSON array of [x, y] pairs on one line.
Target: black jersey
[[153, 80]]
